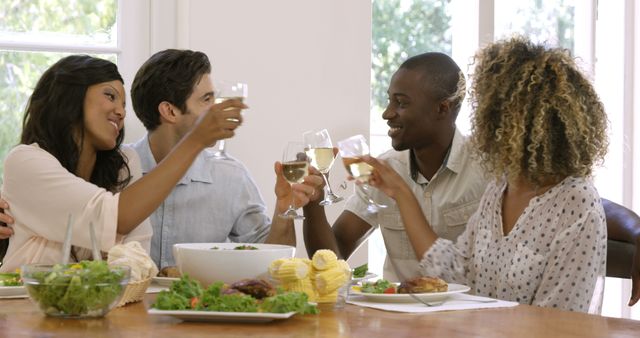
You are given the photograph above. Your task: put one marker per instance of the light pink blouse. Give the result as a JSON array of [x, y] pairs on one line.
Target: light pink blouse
[[42, 193]]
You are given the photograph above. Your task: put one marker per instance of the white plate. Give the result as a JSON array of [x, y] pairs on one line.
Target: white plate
[[406, 298], [164, 281], [211, 316], [368, 275], [13, 291]]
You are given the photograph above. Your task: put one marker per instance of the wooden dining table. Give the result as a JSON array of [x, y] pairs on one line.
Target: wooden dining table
[[21, 318]]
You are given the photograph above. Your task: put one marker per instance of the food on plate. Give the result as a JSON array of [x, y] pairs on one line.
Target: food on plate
[[360, 271], [84, 289], [187, 294], [256, 288], [132, 254], [320, 278], [10, 279], [423, 284], [379, 286], [169, 271]]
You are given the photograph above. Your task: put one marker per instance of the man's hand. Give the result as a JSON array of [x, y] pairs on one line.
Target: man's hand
[[385, 178], [218, 123], [5, 232], [299, 193]]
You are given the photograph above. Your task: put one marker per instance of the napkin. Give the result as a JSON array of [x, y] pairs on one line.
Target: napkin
[[454, 302]]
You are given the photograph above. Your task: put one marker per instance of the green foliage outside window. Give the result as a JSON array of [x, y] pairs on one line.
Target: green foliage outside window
[[402, 29], [63, 21]]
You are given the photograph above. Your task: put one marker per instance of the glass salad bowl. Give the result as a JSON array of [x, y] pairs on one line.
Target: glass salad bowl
[[79, 290]]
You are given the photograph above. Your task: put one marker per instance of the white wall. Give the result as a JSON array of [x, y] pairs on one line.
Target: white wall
[[307, 64]]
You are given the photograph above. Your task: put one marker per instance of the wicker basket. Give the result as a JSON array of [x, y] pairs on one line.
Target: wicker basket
[[134, 292]]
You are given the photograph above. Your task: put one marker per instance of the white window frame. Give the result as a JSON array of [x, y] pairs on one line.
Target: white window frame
[[132, 47]]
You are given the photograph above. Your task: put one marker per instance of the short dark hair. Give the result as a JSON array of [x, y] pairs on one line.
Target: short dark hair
[[443, 78], [56, 109], [169, 75]]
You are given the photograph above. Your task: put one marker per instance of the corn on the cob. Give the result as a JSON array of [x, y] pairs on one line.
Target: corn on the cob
[[292, 270], [330, 280], [344, 266], [331, 297], [303, 285], [274, 266], [324, 259]]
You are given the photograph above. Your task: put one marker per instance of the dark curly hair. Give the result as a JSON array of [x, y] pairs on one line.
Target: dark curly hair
[[535, 114], [169, 75], [55, 111]]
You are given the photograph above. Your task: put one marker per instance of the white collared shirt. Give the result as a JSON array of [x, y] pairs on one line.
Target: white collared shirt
[[448, 200]]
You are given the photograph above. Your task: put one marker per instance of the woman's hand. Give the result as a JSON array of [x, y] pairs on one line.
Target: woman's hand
[[385, 178], [218, 123], [300, 193], [5, 231]]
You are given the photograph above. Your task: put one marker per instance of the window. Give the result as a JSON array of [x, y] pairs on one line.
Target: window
[[606, 34], [542, 21], [35, 34], [401, 28]]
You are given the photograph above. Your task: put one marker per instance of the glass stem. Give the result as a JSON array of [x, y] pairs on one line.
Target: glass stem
[[327, 187]]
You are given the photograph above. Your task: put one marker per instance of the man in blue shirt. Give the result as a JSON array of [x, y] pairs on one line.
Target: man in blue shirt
[[217, 200]]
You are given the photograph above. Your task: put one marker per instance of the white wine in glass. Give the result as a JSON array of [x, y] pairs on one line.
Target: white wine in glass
[[351, 151], [357, 168], [225, 91], [321, 158], [319, 149], [295, 166], [295, 171]]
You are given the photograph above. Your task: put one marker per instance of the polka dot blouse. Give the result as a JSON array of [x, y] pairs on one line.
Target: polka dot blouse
[[554, 256]]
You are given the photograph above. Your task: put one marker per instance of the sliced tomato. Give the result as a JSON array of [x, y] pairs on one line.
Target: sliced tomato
[[390, 289], [194, 302]]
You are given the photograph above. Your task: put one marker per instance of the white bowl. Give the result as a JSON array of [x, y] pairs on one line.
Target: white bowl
[[226, 264]]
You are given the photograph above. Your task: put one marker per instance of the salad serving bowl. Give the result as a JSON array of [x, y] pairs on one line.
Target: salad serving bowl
[[79, 290], [228, 262]]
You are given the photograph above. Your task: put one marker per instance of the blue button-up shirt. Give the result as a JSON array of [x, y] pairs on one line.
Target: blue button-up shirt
[[215, 201]]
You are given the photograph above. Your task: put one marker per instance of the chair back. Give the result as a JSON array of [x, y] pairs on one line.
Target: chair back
[[619, 258]]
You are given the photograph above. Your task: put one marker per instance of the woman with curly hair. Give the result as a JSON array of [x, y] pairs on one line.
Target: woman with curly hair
[[70, 162], [539, 235]]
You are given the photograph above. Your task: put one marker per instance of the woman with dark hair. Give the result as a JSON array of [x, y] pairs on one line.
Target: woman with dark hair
[[70, 165], [539, 236]]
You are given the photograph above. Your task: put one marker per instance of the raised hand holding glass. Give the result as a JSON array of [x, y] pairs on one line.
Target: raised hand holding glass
[[295, 166], [319, 149], [224, 91], [351, 151]]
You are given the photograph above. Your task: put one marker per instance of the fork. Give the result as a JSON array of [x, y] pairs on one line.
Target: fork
[[443, 301]]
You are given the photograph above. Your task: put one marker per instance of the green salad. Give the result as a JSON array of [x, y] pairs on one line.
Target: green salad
[[87, 288], [187, 294], [360, 271], [379, 286], [10, 279]]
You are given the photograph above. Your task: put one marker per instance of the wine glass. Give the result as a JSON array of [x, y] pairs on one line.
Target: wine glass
[[225, 90], [319, 149], [295, 166], [351, 150]]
